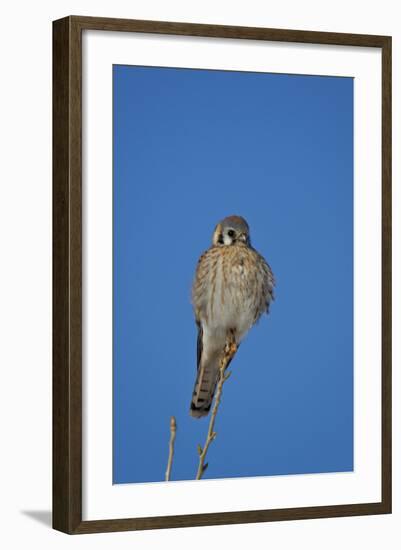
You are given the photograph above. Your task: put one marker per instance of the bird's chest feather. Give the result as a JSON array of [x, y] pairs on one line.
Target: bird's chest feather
[[232, 288]]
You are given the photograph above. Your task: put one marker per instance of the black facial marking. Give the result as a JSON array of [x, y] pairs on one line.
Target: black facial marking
[[220, 240]]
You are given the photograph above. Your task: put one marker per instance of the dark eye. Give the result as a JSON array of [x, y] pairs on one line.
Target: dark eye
[[231, 233]]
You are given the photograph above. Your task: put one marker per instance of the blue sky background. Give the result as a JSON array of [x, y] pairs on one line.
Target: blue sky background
[[191, 147]]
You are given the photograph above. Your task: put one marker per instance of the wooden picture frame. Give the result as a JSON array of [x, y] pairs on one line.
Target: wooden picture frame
[[67, 273]]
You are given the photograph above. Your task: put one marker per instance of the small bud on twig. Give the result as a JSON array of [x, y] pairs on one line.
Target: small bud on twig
[[173, 432]]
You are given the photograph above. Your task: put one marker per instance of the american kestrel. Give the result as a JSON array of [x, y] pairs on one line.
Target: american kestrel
[[233, 286]]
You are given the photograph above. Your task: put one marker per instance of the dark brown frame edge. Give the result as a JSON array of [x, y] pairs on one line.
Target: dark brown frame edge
[[67, 274]]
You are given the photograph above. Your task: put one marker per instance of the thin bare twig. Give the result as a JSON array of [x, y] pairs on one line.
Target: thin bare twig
[[173, 433], [229, 352]]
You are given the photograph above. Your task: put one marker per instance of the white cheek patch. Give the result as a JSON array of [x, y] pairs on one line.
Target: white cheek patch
[[227, 240]]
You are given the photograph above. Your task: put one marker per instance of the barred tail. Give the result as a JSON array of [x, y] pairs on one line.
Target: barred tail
[[204, 388]]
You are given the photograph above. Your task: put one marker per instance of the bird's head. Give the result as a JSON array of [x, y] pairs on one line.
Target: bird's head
[[231, 230]]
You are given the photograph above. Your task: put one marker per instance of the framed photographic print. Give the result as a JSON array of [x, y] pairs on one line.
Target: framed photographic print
[[221, 274]]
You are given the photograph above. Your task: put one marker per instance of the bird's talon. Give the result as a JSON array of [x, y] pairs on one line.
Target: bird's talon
[[231, 349]]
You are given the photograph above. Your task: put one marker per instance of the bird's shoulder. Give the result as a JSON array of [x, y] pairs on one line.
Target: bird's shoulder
[[254, 261], [210, 255]]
